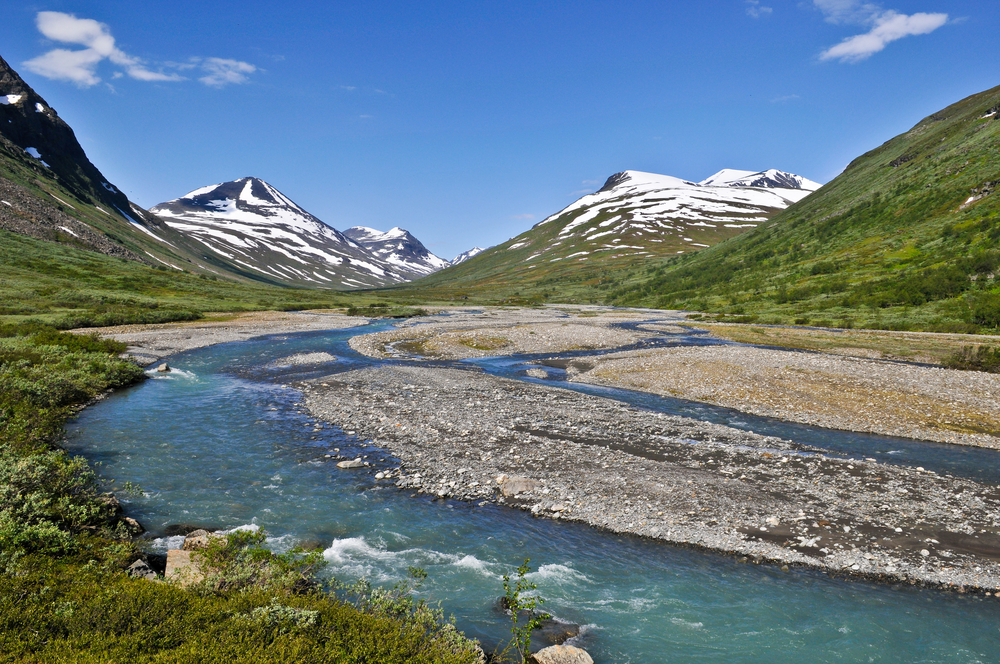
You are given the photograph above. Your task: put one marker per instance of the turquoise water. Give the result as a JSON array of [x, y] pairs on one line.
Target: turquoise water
[[222, 443]]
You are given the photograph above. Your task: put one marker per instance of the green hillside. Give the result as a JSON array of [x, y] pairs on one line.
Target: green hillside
[[907, 237]]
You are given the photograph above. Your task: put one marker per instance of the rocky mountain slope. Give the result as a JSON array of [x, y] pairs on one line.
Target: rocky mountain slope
[[398, 248], [634, 217], [907, 237], [254, 226], [49, 190]]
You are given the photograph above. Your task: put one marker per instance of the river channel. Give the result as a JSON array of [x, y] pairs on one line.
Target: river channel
[[222, 442]]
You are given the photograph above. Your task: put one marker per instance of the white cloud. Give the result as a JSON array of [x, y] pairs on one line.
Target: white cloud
[[80, 66], [62, 65], [756, 10], [221, 71], [522, 216], [888, 27]]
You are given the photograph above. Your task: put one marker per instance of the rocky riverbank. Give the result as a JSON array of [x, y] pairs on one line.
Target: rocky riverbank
[[152, 343], [835, 391], [466, 435]]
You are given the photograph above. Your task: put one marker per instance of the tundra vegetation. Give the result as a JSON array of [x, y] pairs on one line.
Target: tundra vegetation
[[64, 549]]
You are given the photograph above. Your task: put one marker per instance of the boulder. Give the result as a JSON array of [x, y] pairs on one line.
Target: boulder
[[511, 485], [183, 568], [199, 539], [561, 655], [163, 368], [132, 526], [110, 501], [353, 463], [557, 632], [140, 569]]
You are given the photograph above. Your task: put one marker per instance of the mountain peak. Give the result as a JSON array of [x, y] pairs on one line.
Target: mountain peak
[[399, 248], [769, 179]]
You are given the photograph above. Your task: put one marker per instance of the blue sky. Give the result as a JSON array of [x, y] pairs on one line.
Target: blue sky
[[468, 122]]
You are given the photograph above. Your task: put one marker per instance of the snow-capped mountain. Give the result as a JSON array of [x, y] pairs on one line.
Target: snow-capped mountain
[[638, 215], [260, 230], [466, 255], [398, 248], [769, 179]]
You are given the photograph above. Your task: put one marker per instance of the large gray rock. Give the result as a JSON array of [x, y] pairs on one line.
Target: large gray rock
[[163, 368], [561, 655], [140, 569], [353, 463], [511, 485]]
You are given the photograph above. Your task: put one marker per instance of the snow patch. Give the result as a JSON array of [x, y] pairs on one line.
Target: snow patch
[[39, 107], [10, 99], [61, 200], [70, 231]]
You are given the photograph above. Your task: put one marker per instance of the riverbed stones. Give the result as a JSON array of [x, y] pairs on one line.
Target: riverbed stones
[[131, 526], [625, 470], [561, 654], [516, 484], [163, 368]]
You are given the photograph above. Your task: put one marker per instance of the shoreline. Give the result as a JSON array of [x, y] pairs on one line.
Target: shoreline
[[596, 461]]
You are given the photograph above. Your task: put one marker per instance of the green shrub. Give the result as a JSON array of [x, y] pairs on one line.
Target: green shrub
[[978, 358]]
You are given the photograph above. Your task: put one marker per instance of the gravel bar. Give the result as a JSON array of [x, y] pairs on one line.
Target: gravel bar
[[462, 434]]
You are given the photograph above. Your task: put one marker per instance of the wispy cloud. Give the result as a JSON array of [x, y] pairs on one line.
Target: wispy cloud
[[848, 11], [80, 66], [756, 10], [887, 26], [782, 99], [522, 216], [222, 71]]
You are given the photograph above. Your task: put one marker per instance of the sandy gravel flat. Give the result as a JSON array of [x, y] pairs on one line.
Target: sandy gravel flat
[[833, 391], [491, 332]]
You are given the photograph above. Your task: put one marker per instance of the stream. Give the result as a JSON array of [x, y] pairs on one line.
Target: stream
[[222, 442]]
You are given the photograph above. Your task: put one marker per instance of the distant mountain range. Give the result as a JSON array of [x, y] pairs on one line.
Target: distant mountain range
[[466, 255], [244, 230]]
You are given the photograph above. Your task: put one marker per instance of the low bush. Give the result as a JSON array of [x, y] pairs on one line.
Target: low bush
[[977, 358]]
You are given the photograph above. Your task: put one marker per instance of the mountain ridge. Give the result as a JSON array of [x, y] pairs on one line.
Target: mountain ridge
[[252, 224], [633, 217]]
